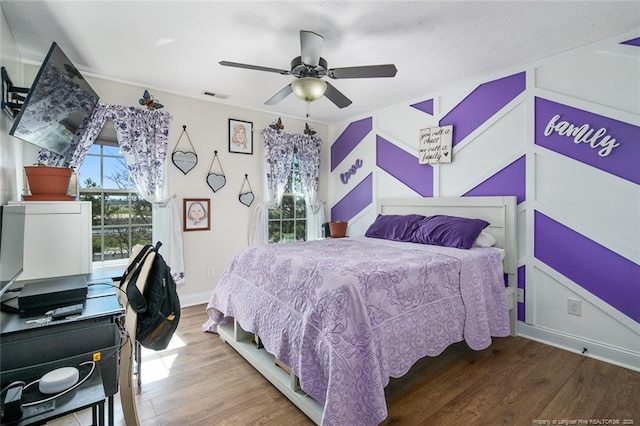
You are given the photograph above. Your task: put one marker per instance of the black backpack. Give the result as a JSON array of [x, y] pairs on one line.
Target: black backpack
[[158, 309]]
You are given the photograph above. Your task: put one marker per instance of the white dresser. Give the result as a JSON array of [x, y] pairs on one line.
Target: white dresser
[[57, 238]]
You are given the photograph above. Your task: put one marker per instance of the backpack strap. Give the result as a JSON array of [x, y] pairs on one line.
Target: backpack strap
[[136, 300], [133, 265]]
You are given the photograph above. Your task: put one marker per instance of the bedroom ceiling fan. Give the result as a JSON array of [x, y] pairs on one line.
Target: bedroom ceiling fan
[[310, 68]]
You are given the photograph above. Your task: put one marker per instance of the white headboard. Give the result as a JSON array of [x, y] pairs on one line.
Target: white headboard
[[500, 212]]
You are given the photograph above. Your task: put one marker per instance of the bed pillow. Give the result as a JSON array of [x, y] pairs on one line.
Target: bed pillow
[[394, 227], [449, 231], [485, 239]]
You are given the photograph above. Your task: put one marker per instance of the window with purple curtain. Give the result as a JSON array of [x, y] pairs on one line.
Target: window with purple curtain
[[142, 136]]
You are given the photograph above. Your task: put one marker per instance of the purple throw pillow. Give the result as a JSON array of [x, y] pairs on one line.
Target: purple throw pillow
[[394, 227], [449, 231]]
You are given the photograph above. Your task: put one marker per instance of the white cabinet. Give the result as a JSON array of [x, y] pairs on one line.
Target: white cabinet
[[57, 239]]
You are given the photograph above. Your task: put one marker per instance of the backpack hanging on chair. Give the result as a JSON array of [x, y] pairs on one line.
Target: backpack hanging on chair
[[157, 306]]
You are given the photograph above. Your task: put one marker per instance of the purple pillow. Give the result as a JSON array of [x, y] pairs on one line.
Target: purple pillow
[[394, 227], [449, 231]]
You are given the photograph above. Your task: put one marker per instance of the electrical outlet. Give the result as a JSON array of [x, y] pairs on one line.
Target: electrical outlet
[[211, 271], [574, 307], [520, 293]]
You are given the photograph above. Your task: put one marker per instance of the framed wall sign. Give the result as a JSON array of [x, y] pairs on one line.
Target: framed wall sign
[[240, 136], [197, 214], [435, 145]]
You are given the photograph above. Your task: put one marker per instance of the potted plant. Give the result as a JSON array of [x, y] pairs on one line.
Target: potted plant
[[338, 229], [48, 181]]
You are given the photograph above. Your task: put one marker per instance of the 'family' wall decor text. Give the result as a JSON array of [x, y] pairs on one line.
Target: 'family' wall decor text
[[582, 134]]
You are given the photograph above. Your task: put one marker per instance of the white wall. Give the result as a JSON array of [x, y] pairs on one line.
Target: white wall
[[10, 148]]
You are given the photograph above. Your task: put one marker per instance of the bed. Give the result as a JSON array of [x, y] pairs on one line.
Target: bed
[[328, 322]]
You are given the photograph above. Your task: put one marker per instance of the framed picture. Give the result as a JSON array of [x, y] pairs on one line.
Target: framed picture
[[197, 214], [240, 136]]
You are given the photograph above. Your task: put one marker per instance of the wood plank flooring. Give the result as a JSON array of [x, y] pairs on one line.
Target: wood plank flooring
[[199, 380]]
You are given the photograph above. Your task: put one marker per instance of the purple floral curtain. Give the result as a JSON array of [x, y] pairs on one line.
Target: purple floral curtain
[[142, 135], [308, 148], [279, 147], [278, 153]]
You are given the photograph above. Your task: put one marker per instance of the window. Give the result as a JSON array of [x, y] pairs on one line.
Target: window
[[121, 218], [289, 222]]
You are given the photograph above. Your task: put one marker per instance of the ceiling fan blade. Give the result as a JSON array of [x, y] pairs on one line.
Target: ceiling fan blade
[[368, 71], [310, 47], [336, 96], [286, 91], [253, 67]]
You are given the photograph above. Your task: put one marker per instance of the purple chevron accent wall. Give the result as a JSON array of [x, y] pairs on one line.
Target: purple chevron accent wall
[[355, 201], [349, 139], [509, 181], [604, 273], [486, 100], [404, 167], [593, 139], [425, 106], [632, 42]]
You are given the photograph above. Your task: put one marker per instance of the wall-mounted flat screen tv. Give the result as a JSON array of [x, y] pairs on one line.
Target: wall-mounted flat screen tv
[[58, 105]]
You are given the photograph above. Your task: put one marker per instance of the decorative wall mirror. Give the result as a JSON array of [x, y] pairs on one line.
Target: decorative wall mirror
[[184, 160], [216, 180], [246, 197]]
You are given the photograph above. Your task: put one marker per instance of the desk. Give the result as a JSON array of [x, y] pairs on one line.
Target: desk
[[33, 346]]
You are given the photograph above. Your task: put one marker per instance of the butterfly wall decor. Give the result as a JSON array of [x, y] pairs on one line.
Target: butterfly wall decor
[[148, 101], [308, 130], [277, 125]]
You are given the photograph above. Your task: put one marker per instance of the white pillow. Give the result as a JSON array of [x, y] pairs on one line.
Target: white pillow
[[485, 239]]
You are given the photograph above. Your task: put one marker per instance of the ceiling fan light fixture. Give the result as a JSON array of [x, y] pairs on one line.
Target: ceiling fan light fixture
[[309, 88]]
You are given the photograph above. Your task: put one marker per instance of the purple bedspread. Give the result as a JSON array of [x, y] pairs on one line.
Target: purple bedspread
[[347, 314]]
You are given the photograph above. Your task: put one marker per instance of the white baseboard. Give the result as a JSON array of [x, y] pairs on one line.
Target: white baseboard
[[600, 351], [194, 299]]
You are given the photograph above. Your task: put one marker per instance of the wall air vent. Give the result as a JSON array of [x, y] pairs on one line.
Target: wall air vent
[[215, 95]]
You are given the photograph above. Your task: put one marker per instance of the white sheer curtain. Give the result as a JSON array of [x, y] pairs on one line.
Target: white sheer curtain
[[142, 135], [278, 156]]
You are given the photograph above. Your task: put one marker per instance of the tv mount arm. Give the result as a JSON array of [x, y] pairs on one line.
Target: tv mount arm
[[12, 97]]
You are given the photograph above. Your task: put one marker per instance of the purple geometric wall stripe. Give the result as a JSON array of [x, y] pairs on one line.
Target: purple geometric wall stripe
[[602, 272], [425, 106], [508, 181], [481, 104], [349, 139], [632, 42], [521, 284], [596, 146], [355, 201], [404, 167]]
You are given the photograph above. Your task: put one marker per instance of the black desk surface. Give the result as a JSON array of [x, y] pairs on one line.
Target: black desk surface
[[101, 301]]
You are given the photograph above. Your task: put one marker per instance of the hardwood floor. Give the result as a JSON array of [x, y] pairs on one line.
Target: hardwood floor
[[199, 380]]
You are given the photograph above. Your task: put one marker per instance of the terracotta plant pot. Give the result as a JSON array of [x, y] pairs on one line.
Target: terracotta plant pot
[[46, 180], [338, 229]]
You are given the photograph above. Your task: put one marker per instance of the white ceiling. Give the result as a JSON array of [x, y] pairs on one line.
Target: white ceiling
[[175, 46]]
